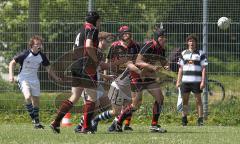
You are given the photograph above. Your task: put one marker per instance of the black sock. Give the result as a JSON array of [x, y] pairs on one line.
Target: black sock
[[36, 114], [29, 108]]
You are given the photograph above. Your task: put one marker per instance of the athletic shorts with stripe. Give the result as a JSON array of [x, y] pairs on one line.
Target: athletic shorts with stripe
[[119, 95]]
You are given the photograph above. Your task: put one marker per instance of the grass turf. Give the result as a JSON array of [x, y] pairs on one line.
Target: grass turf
[[25, 133]]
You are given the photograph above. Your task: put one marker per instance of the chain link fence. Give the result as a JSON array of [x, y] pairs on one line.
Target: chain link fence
[[59, 21]]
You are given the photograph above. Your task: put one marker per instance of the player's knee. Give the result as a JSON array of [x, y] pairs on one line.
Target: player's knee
[[28, 98]]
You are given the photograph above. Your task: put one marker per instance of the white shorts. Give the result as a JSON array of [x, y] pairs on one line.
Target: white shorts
[[29, 88], [119, 96]]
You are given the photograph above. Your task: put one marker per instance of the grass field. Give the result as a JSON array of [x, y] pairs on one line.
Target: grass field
[[24, 133]]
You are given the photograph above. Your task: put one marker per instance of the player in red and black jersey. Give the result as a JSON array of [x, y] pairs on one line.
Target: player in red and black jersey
[[84, 71], [144, 77], [122, 50]]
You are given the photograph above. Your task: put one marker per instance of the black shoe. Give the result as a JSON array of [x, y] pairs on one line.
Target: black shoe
[[127, 128], [55, 129], [118, 127], [184, 121], [157, 128], [86, 131], [38, 126], [78, 128], [112, 127], [200, 121]]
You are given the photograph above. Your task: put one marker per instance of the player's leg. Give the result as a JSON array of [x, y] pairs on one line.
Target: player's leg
[[25, 88], [65, 107], [199, 108], [115, 96], [128, 101], [35, 101], [128, 119], [129, 109], [197, 92], [116, 109], [185, 89], [103, 104], [88, 110], [35, 90], [156, 92]]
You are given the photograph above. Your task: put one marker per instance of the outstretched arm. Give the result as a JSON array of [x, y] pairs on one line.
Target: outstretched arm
[[11, 67], [52, 73], [141, 63]]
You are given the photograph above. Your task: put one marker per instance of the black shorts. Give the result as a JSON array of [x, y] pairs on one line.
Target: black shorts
[[191, 87], [80, 78], [138, 85]]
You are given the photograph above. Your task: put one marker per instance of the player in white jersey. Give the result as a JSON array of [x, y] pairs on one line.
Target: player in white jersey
[[30, 61], [119, 94], [191, 77]]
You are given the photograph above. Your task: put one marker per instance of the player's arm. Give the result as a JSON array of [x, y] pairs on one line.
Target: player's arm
[[204, 63], [52, 73], [140, 61], [133, 68], [91, 50], [179, 77], [180, 71], [11, 67], [202, 85], [142, 64]]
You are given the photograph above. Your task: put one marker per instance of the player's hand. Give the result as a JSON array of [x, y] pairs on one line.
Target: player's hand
[[11, 79], [166, 67], [110, 77], [202, 85], [156, 68], [178, 83]]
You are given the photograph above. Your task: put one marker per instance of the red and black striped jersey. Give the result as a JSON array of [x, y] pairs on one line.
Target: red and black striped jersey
[[152, 52], [87, 31], [118, 50]]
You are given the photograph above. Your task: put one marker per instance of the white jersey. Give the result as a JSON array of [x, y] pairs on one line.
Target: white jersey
[[30, 64], [192, 63]]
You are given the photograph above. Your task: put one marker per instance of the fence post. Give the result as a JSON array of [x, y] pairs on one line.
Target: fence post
[[205, 49], [90, 5]]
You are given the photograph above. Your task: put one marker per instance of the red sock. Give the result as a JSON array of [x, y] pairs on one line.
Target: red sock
[[128, 120], [157, 108], [63, 109], [88, 112], [125, 113]]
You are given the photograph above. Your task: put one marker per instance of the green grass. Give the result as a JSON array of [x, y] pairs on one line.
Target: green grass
[[24, 133]]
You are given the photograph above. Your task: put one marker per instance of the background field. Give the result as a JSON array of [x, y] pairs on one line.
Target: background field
[[58, 21], [24, 133]]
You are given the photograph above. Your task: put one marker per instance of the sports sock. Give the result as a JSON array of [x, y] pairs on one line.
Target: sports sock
[[36, 114], [64, 108], [29, 108], [128, 120], [103, 116], [88, 112], [157, 108], [81, 121], [125, 113]]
